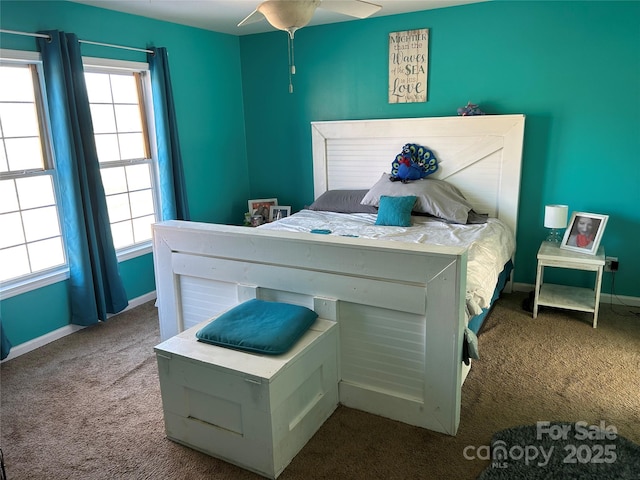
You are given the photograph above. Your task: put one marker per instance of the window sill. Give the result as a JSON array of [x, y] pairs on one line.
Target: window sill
[[133, 252], [18, 287]]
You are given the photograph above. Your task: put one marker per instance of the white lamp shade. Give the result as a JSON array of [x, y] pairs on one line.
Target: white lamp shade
[[555, 216]]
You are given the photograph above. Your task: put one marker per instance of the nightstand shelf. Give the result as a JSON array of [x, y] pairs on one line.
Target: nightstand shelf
[[563, 296], [572, 298]]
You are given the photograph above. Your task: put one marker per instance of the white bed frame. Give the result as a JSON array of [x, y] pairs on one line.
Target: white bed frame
[[400, 307]]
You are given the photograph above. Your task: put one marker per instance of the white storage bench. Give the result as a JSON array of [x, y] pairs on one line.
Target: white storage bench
[[255, 411]]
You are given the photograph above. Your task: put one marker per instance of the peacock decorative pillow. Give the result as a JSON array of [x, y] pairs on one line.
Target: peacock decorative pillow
[[413, 163]]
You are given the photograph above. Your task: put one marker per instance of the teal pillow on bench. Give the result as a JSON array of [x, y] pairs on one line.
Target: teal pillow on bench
[[259, 326]]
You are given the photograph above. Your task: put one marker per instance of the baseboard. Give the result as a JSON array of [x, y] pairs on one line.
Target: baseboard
[[605, 298], [41, 341], [31, 345]]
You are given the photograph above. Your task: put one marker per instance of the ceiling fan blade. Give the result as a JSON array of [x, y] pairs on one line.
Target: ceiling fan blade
[[353, 8], [253, 17]]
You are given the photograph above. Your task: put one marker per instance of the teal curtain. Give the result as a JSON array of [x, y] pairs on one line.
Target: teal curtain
[[95, 284], [173, 192]]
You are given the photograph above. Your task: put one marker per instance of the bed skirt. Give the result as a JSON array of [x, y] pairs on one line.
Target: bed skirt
[[475, 324]]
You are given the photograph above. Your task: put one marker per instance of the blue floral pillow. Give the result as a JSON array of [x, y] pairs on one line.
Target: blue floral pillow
[[395, 211]]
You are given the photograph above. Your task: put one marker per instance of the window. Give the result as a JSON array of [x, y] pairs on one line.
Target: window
[[122, 141], [31, 240], [32, 252]]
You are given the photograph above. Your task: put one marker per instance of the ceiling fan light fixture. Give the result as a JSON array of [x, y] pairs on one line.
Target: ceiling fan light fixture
[[292, 15], [288, 15]]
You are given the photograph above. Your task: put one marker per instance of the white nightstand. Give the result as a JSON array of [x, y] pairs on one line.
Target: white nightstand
[[561, 296]]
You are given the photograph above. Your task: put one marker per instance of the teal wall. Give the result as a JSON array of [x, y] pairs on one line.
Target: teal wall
[[35, 313], [573, 68], [206, 77]]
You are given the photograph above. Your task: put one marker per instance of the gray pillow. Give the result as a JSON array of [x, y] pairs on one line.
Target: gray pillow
[[435, 197], [342, 201]]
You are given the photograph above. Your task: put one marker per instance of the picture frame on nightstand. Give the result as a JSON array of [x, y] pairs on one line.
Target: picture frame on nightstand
[[261, 206], [278, 212], [584, 232]]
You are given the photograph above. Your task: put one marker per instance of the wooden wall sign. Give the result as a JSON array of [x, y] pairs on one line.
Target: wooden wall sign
[[408, 65]]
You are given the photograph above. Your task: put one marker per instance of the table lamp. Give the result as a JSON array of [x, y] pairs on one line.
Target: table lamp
[[555, 218]]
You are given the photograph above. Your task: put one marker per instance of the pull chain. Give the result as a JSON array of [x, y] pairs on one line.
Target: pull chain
[[292, 67]]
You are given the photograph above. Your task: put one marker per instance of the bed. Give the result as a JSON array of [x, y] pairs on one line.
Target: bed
[[490, 246], [401, 307]]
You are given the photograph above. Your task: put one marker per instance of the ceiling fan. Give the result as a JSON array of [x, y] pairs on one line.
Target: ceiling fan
[[292, 15]]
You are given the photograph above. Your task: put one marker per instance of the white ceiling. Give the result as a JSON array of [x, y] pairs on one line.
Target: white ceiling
[[224, 15]]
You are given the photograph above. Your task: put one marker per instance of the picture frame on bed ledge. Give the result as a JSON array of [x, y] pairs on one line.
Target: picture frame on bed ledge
[[584, 232], [261, 206], [277, 212]]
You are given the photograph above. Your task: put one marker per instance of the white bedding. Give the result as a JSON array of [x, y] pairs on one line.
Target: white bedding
[[490, 245]]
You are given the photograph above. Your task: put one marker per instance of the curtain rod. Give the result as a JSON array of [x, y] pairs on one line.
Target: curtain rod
[[42, 35]]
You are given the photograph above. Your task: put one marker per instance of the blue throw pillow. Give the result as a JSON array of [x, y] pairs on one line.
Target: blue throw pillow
[[259, 326], [395, 211]]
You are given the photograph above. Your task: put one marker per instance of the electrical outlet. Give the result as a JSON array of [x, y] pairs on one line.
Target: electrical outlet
[[611, 264]]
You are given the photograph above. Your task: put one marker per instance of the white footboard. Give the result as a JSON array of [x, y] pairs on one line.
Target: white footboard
[[400, 307]]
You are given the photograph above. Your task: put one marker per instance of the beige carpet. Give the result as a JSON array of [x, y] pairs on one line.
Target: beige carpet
[[88, 406]]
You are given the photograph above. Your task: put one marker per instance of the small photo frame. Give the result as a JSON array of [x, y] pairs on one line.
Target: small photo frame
[[584, 232], [277, 212], [261, 206]]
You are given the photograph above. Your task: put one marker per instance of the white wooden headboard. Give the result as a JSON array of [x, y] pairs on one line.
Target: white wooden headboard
[[481, 155]]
